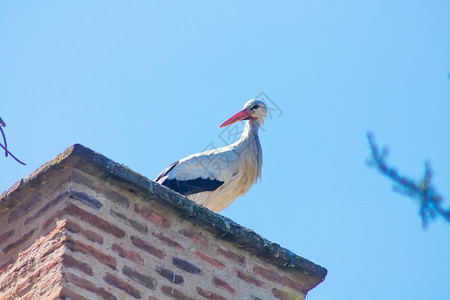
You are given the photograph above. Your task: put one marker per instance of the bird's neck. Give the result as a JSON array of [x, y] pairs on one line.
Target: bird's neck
[[249, 134], [250, 131], [249, 148]]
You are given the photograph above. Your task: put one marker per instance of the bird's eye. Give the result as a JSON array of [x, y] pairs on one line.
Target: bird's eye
[[255, 106]]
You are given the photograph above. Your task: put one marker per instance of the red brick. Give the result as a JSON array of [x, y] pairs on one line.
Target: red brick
[[23, 208], [237, 258], [277, 277], [95, 221], [36, 275], [186, 266], [5, 265], [67, 293], [167, 240], [16, 271], [208, 259], [44, 209], [147, 247], [248, 278], [88, 285], [8, 295], [85, 198], [169, 275], [105, 259], [223, 285], [26, 263], [54, 294], [90, 235], [5, 236], [175, 294], [129, 221], [53, 285], [12, 276], [52, 246], [93, 184], [19, 242], [56, 237], [145, 280], [127, 253], [284, 295], [54, 218], [151, 216], [122, 285], [71, 262], [196, 236], [209, 295]]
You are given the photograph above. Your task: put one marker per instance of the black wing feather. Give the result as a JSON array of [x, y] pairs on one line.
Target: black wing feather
[[193, 186], [166, 171]]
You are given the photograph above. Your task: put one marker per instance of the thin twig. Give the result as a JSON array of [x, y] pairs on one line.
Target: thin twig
[[3, 124], [430, 200], [20, 162], [5, 147]]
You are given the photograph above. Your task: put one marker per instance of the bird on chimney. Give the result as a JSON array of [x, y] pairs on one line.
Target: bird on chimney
[[215, 178]]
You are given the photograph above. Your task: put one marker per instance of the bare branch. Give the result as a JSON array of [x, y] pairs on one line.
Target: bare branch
[[3, 124], [12, 155], [5, 147], [423, 190]]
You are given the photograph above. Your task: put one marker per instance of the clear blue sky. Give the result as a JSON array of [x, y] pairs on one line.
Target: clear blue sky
[[148, 82]]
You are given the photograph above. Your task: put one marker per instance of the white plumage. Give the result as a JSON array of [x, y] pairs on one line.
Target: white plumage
[[215, 178]]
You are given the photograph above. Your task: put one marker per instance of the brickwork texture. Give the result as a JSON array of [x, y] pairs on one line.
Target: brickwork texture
[[84, 227]]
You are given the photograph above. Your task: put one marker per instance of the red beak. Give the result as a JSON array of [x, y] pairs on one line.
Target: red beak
[[243, 114]]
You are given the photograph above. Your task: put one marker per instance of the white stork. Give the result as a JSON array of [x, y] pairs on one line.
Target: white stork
[[215, 178]]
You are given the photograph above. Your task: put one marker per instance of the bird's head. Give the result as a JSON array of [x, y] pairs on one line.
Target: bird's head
[[254, 110]]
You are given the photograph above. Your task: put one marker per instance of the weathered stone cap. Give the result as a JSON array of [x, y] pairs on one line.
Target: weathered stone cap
[[85, 159]]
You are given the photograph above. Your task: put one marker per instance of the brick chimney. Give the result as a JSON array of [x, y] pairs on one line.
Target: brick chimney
[[85, 227]]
